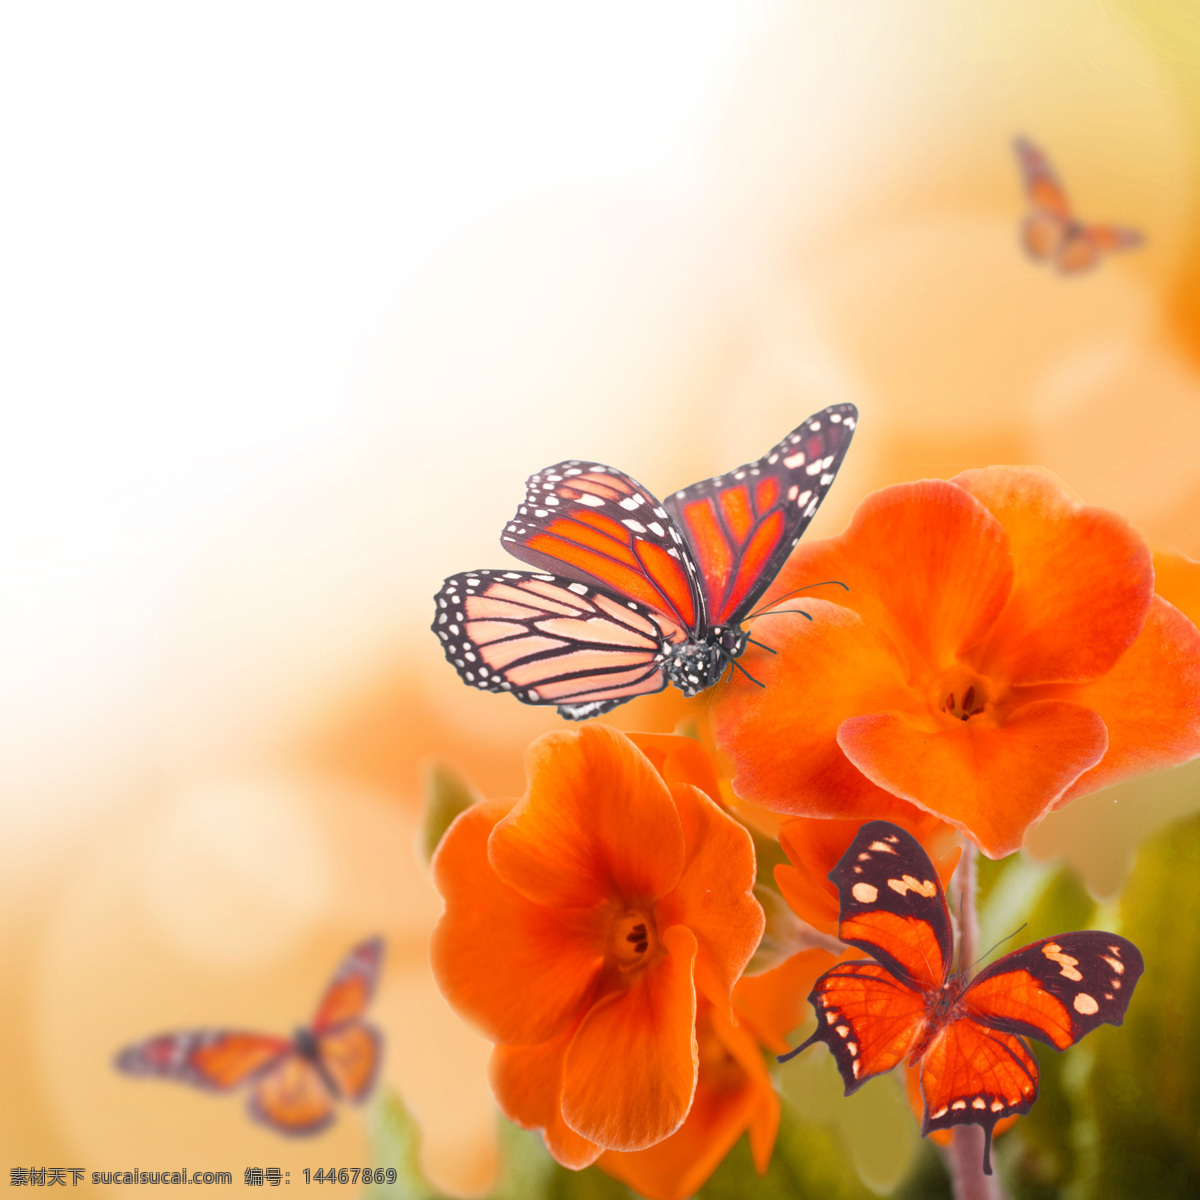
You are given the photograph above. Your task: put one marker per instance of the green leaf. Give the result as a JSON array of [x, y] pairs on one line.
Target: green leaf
[[446, 795], [396, 1142], [1143, 1093], [768, 854]]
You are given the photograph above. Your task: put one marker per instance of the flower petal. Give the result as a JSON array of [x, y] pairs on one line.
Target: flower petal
[[924, 562], [993, 782], [680, 760], [1150, 702], [774, 1003], [521, 971], [782, 737], [734, 1093], [630, 1070], [597, 823], [1083, 580], [714, 897], [527, 1082]]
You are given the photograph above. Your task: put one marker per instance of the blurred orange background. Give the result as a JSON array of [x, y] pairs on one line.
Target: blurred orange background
[[296, 299]]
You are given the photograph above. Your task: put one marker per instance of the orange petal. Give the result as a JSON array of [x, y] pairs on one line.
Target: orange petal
[[924, 562], [781, 737], [521, 971], [597, 823], [774, 1003], [527, 1082], [680, 760], [1177, 580], [1150, 702], [992, 782], [1083, 580], [734, 1093], [630, 1070], [714, 897]]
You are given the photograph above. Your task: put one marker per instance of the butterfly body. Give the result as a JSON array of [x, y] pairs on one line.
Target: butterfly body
[[965, 1034], [632, 594], [1051, 232], [292, 1082]]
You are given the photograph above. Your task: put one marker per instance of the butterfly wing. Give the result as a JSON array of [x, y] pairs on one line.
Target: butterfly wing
[[351, 988], [596, 526], [1044, 231], [1085, 243], [208, 1058], [868, 1019], [742, 526], [1058, 989], [971, 1075], [350, 1056], [292, 1097], [549, 640], [893, 906]]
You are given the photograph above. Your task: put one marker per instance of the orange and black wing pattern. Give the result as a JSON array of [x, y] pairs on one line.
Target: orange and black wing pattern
[[351, 988], [347, 1048], [741, 526], [869, 1020], [293, 1097], [1058, 989], [972, 1075], [596, 526], [293, 1081], [551, 641], [1050, 231], [893, 906], [207, 1058]]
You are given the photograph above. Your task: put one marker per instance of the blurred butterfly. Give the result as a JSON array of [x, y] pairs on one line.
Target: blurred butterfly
[[1051, 231], [293, 1083], [969, 1038], [631, 594]]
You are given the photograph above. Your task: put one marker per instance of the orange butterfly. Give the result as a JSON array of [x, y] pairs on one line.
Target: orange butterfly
[[293, 1083], [1051, 231], [976, 1067]]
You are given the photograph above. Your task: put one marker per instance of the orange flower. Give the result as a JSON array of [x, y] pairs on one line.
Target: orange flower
[[734, 1093], [999, 652], [582, 924]]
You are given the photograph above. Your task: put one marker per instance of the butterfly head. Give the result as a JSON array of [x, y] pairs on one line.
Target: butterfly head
[[693, 666], [306, 1044]]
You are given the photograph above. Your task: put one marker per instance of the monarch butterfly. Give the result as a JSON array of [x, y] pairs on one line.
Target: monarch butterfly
[[1050, 232], [293, 1082], [976, 1068], [631, 594]]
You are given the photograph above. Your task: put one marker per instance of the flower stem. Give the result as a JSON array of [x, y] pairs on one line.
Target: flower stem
[[964, 1155]]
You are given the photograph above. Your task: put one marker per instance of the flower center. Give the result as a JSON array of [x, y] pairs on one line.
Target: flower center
[[631, 939], [963, 696]]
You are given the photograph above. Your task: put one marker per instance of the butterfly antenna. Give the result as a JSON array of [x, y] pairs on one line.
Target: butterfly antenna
[[775, 612], [962, 900], [733, 662], [999, 943], [797, 591], [760, 645]]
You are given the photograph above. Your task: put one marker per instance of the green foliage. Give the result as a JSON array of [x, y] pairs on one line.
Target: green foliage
[[1142, 1117], [446, 795], [768, 854], [1038, 1159]]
